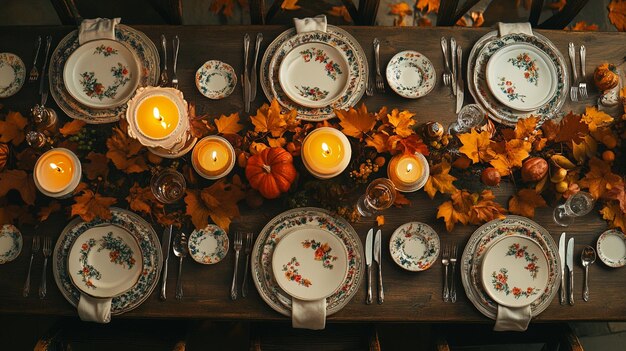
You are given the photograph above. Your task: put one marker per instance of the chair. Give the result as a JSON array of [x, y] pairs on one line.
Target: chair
[[168, 11], [364, 15]]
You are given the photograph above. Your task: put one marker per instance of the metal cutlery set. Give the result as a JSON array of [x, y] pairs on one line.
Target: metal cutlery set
[[249, 78], [453, 70], [566, 255], [449, 258], [164, 78], [46, 245], [238, 246], [578, 87], [179, 247], [373, 250], [375, 81]]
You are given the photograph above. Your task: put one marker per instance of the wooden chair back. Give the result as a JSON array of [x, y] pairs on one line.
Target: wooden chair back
[[171, 11]]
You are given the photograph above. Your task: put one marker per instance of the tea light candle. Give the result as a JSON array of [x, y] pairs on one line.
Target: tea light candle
[[408, 172], [57, 172], [326, 152], [157, 117], [213, 157]]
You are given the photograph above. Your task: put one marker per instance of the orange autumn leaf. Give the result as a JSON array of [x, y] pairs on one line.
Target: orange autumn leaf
[[98, 167], [509, 155], [199, 126], [456, 210], [228, 124], [558, 6], [571, 128], [72, 128], [525, 202], [226, 6], [595, 119], [587, 148], [356, 122], [427, 5], [380, 220], [12, 128], [124, 152], [219, 202], [20, 181], [583, 26], [408, 145], [269, 119], [485, 209], [289, 5], [600, 178], [90, 205], [613, 214], [340, 11], [256, 148], [526, 127], [142, 199], [46, 211], [276, 142], [476, 146], [378, 141], [401, 201], [402, 122], [440, 180], [400, 8], [617, 14]]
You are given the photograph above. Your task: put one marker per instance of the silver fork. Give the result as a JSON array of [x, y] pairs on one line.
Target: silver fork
[[163, 81], [34, 73], [47, 251], [445, 260], [447, 73], [573, 90], [175, 46], [237, 248], [244, 285], [582, 86], [369, 89], [34, 249], [453, 280], [380, 84]]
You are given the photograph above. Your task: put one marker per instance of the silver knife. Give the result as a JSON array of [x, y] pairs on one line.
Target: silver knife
[[368, 264], [253, 79], [165, 243], [453, 64], [460, 89], [246, 76], [377, 258], [570, 266], [562, 258]]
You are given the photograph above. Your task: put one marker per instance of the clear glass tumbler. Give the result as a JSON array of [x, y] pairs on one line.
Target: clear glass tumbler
[[576, 205], [380, 195], [168, 186]]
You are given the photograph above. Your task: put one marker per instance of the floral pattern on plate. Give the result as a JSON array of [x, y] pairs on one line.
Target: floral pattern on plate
[[216, 79], [292, 273], [322, 252], [93, 88], [410, 74], [611, 247], [331, 68], [10, 243], [12, 74], [500, 282], [508, 88], [414, 246], [529, 65], [208, 245], [105, 50], [312, 93]]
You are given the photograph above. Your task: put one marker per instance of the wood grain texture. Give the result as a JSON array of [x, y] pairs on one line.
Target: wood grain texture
[[409, 296]]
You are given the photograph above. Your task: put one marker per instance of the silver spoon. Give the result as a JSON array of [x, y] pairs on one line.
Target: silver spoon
[[588, 257], [180, 250]]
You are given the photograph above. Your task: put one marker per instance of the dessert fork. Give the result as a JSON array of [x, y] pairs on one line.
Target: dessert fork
[[582, 86], [573, 90], [244, 285], [447, 73], [237, 248], [34, 73], [453, 279], [34, 249], [445, 260], [47, 251], [380, 84]]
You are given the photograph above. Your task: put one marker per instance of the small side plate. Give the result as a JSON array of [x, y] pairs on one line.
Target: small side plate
[[208, 245], [411, 74], [10, 243], [12, 74], [216, 79], [611, 247], [414, 246]]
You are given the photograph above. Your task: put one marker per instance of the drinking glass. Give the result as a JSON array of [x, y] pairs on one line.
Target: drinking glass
[[168, 186], [576, 205], [380, 195], [470, 116]]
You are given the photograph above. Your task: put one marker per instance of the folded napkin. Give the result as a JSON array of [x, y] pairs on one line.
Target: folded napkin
[[310, 24], [510, 28], [308, 314], [97, 28], [513, 319], [91, 309]]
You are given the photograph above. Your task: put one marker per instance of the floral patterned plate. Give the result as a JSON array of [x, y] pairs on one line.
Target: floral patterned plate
[[12, 74], [10, 243], [611, 247], [216, 79], [414, 246], [314, 74], [515, 271], [521, 77], [310, 263], [410, 74], [150, 251], [208, 245], [101, 74]]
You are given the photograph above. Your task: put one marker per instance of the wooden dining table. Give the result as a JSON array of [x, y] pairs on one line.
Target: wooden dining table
[[409, 296]]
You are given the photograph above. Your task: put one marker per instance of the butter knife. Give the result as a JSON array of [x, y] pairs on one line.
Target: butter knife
[[165, 246], [368, 264], [377, 258], [460, 89], [253, 74], [246, 75], [562, 258], [453, 62], [570, 266]]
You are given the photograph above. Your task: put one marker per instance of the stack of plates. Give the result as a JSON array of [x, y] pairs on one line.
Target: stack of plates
[[119, 258], [314, 72], [511, 262], [92, 82], [308, 254], [517, 75]]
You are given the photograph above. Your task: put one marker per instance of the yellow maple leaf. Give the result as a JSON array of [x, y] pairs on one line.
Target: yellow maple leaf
[[600, 178], [141, 199], [228, 124], [72, 128], [427, 5], [90, 205], [525, 202], [440, 180], [124, 151], [12, 128], [356, 122], [402, 122], [526, 127], [476, 146], [276, 142], [595, 118], [340, 11], [583, 26], [218, 201], [378, 141], [509, 155], [617, 14], [613, 214], [587, 148], [269, 119], [456, 210], [380, 220], [289, 5], [485, 209]]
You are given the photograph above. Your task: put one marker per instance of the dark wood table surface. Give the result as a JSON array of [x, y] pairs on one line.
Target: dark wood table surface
[[409, 297]]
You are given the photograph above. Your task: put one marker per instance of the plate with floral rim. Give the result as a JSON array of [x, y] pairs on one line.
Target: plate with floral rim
[[152, 259], [521, 77], [411, 74], [414, 246], [10, 243], [282, 225], [101, 74], [105, 261], [12, 74], [208, 245], [514, 271], [611, 248], [216, 79]]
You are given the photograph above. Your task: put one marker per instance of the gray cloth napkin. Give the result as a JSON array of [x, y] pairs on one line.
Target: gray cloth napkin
[[309, 24], [97, 28]]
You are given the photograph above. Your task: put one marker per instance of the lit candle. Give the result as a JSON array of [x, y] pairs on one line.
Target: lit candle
[[213, 157], [326, 152], [57, 172], [408, 172], [157, 117]]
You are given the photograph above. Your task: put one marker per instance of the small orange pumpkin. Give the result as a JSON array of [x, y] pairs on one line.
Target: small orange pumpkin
[[606, 77], [271, 172], [4, 155]]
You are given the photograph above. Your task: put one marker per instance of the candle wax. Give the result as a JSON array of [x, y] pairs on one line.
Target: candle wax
[[214, 157], [157, 116], [324, 151], [408, 169], [55, 171]]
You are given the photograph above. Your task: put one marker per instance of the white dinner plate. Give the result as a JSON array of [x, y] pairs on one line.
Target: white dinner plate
[[101, 74], [611, 247], [414, 246], [12, 74], [410, 74], [10, 243], [208, 245], [216, 79]]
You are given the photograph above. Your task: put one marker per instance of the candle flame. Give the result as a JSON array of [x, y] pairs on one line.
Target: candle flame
[[325, 148], [409, 168], [157, 116], [55, 167], [214, 155]]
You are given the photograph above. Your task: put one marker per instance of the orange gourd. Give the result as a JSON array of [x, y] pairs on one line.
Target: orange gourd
[[606, 77], [271, 172]]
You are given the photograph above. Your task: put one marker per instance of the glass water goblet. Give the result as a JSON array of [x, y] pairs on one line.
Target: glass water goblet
[[470, 116], [576, 205], [380, 195], [168, 186]]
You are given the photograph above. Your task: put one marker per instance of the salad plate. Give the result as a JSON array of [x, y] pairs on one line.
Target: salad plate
[[12, 74], [411, 74], [208, 245], [611, 247], [414, 246], [216, 79], [11, 243]]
